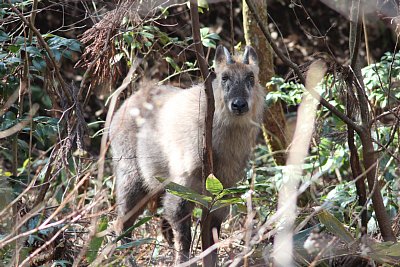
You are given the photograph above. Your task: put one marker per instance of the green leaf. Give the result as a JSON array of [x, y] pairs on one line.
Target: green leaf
[[136, 44], [147, 35], [4, 36], [188, 194], [173, 64], [12, 60], [14, 48], [335, 226], [209, 43], [128, 37], [56, 54], [202, 4], [387, 248], [39, 64], [96, 241], [213, 185], [197, 212], [74, 45], [67, 54], [32, 50], [214, 36], [204, 31]]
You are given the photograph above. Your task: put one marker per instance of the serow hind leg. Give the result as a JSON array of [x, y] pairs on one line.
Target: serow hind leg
[[131, 196]]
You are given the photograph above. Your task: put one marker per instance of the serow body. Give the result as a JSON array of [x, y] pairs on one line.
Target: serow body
[[158, 132]]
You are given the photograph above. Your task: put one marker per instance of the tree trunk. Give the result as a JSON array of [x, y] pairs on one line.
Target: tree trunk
[[274, 119]]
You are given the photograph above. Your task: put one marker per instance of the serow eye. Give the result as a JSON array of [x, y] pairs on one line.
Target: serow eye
[[250, 78], [225, 78]]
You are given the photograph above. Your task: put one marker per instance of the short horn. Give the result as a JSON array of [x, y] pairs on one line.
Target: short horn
[[246, 55], [228, 56]]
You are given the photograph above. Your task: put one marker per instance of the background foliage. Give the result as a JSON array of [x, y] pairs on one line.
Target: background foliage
[[55, 186]]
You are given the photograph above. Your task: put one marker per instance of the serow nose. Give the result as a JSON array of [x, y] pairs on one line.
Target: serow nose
[[239, 106]]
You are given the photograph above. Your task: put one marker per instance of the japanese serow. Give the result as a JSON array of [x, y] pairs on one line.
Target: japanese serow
[[158, 132]]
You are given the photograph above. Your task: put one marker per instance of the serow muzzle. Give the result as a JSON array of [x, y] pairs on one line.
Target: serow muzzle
[[239, 106]]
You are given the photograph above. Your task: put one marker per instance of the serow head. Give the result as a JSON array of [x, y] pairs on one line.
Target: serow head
[[236, 78]]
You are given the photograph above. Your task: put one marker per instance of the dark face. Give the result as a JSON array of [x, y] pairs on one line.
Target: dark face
[[237, 83], [237, 78]]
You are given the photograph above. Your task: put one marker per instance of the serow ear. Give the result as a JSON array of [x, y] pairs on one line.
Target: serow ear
[[250, 56], [222, 56]]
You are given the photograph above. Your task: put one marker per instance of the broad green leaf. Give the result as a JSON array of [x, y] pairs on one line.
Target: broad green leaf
[[74, 45], [204, 31], [335, 226], [188, 194], [202, 4], [213, 185], [96, 241], [32, 50], [151, 28], [39, 63], [209, 43], [214, 36], [56, 54]]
